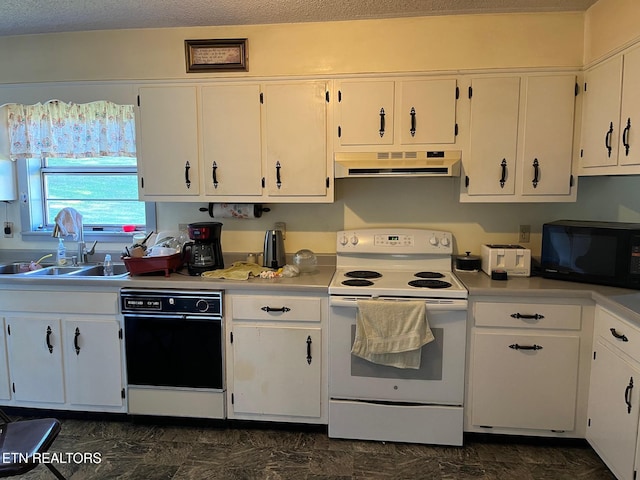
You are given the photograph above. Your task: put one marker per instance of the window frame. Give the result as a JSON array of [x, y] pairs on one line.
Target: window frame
[[32, 208]]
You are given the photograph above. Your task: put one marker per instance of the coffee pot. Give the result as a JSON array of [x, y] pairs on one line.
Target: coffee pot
[[205, 252], [274, 249]]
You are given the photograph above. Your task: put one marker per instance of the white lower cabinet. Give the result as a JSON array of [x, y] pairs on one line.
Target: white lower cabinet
[[525, 365], [91, 360], [276, 362], [614, 400], [5, 392], [66, 359], [35, 359]]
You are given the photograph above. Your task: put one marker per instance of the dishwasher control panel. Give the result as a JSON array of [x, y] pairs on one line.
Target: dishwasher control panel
[[171, 301]]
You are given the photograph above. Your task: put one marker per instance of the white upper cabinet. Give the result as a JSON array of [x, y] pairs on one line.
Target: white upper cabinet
[[168, 152], [243, 142], [232, 155], [491, 166], [296, 159], [521, 139], [384, 114], [609, 144]]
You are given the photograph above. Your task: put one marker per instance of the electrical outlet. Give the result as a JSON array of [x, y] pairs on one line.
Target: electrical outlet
[[525, 233], [282, 227], [8, 229], [183, 226]]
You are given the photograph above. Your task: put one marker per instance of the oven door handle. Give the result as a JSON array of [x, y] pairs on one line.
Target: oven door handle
[[433, 305]]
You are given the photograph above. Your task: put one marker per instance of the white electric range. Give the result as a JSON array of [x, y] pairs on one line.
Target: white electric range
[[377, 402]]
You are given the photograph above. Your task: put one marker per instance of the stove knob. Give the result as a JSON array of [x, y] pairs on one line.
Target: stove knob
[[433, 241], [444, 242], [202, 305], [344, 240], [354, 240]]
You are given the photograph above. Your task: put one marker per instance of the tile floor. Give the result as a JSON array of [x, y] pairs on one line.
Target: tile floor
[[144, 450]]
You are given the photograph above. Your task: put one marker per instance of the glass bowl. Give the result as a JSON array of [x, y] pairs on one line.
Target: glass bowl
[[305, 260]]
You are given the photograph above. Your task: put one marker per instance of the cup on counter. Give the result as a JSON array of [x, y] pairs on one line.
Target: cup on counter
[[251, 258]]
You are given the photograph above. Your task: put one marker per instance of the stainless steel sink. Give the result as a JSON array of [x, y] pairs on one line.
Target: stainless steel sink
[[13, 268], [119, 270], [55, 271]]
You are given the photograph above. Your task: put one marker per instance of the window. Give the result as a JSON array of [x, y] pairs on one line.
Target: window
[[80, 156], [103, 189]]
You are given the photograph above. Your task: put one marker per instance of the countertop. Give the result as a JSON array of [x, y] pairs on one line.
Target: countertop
[[623, 301], [316, 282]]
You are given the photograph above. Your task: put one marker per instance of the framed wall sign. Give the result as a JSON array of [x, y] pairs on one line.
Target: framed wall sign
[[222, 55]]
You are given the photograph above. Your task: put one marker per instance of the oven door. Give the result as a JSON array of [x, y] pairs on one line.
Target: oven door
[[440, 378], [174, 351]]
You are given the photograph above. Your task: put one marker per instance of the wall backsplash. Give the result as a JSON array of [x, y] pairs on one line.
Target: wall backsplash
[[415, 203]]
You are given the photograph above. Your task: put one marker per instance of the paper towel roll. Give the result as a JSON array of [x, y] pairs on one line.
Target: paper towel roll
[[236, 210]]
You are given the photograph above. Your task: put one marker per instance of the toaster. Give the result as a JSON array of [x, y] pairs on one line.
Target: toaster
[[513, 259]]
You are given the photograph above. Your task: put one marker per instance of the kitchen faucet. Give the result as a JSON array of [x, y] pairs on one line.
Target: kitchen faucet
[[83, 253]]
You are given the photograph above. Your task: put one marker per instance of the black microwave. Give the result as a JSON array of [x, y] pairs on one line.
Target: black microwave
[[606, 253]]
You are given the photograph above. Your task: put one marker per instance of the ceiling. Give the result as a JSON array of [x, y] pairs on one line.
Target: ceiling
[[21, 17]]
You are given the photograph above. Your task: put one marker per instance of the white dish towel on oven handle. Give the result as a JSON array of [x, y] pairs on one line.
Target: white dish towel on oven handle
[[391, 333]]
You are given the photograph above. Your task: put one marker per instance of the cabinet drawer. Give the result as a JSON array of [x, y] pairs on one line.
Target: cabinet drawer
[[293, 309], [527, 315], [617, 332]]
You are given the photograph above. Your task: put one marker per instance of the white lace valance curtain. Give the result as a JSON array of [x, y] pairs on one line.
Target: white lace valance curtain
[[58, 129]]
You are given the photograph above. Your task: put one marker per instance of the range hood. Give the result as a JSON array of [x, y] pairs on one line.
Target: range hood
[[398, 164]]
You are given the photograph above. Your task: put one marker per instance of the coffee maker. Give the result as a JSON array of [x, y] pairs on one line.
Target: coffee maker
[[205, 252]]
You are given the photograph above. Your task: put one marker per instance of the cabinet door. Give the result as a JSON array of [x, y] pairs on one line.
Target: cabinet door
[[231, 140], [427, 111], [93, 365], [516, 387], [548, 135], [629, 149], [491, 167], [35, 359], [5, 391], [277, 370], [168, 126], [365, 112], [612, 427], [601, 113], [295, 139]]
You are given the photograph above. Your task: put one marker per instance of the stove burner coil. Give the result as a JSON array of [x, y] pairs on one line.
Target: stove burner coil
[[357, 282], [428, 275], [362, 274], [429, 284]]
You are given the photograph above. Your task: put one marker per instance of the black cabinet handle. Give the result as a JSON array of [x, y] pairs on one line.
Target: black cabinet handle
[[271, 309], [278, 179], [48, 339], [75, 341], [309, 350], [625, 137], [187, 181], [413, 122], [607, 139], [618, 335], [536, 173], [503, 176], [215, 176], [627, 394], [515, 346], [535, 316], [381, 131]]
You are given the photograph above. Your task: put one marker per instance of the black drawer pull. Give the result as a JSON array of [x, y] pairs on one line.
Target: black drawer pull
[[535, 316], [271, 309], [618, 335], [515, 346], [75, 341], [309, 357]]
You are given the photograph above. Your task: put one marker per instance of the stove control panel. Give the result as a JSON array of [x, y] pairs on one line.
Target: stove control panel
[[395, 240]]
